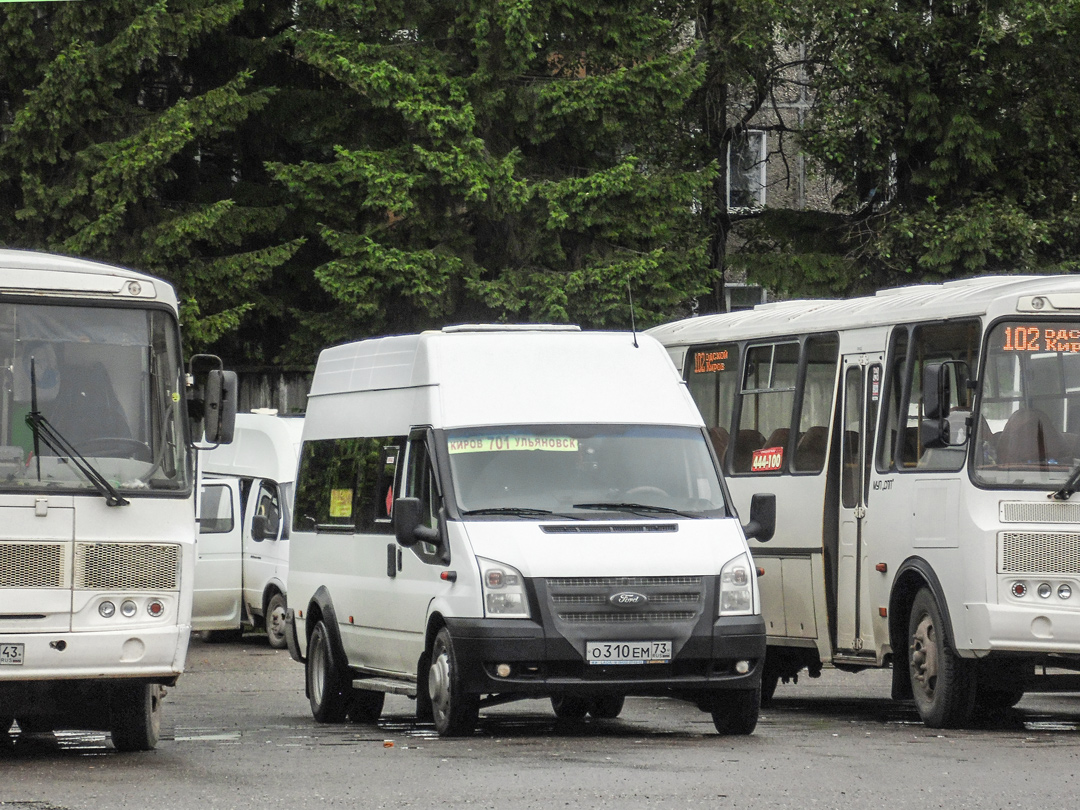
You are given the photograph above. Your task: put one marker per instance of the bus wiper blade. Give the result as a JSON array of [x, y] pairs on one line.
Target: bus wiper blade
[[1069, 487], [45, 432], [522, 511], [632, 507]]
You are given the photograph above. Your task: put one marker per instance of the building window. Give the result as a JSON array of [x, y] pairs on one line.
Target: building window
[[746, 170]]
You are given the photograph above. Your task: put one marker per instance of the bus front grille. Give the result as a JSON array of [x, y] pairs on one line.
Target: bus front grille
[[33, 565], [1039, 553], [127, 566]]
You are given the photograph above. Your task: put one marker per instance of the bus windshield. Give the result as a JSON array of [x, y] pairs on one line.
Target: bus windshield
[[1028, 428], [108, 381], [580, 470]]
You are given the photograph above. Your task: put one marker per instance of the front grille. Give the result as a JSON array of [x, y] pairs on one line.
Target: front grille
[[651, 617], [620, 582], [1039, 553], [1045, 512], [600, 599], [32, 565], [127, 566]]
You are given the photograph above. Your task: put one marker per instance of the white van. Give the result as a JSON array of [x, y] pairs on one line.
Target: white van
[[488, 513], [243, 545]]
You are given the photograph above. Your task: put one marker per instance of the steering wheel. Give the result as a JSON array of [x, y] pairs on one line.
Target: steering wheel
[[117, 447], [637, 492]]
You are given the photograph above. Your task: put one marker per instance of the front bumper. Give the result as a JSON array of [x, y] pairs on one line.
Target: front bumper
[[156, 654], [544, 665]]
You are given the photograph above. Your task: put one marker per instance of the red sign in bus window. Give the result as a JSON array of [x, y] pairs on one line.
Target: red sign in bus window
[[767, 458]]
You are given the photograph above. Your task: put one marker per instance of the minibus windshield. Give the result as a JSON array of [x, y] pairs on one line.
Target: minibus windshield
[[537, 471], [1028, 426], [92, 400]]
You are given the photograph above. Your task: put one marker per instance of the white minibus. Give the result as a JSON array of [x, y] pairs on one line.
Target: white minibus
[[242, 554], [486, 513], [97, 497], [923, 445]]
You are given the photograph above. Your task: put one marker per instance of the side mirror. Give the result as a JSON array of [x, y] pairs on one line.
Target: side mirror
[[407, 527], [937, 390], [259, 529], [222, 388], [762, 523]]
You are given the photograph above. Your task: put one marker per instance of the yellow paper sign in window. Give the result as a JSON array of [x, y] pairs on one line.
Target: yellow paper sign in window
[[340, 503], [511, 443]]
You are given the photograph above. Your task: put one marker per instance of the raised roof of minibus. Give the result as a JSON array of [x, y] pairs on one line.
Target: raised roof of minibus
[[953, 299], [31, 272], [263, 446], [492, 375]]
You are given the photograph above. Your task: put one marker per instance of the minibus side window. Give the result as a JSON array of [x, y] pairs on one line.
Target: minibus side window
[[344, 485]]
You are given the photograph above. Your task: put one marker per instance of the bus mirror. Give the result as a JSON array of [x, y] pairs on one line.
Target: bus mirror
[[407, 527], [934, 433], [762, 518], [219, 414], [259, 529], [937, 391]]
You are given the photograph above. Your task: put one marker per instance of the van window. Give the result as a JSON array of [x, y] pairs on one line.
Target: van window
[[215, 510], [346, 485]]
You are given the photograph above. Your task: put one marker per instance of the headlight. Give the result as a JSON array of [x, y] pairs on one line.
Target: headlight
[[504, 591], [737, 587]]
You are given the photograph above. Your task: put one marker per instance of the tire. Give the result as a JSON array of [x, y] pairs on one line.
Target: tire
[[736, 712], [424, 712], [329, 691], [994, 701], [365, 706], [942, 683], [607, 707], [135, 716], [221, 636], [570, 707], [275, 622], [454, 712]]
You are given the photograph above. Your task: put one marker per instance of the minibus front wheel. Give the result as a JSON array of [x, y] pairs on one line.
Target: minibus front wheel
[[454, 711], [736, 712], [942, 682], [327, 688]]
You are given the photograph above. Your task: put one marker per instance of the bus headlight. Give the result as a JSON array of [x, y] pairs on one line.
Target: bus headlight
[[736, 587], [504, 591]]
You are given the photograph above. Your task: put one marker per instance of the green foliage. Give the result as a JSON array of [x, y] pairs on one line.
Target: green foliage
[[953, 131]]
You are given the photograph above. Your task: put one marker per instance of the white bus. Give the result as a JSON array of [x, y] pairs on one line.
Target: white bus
[[922, 445], [97, 503]]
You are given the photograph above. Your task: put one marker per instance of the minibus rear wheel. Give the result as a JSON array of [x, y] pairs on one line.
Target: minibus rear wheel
[[275, 622], [328, 691], [454, 711]]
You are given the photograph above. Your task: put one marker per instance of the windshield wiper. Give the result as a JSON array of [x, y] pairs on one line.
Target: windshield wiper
[[1069, 487], [632, 507], [521, 511], [45, 432]]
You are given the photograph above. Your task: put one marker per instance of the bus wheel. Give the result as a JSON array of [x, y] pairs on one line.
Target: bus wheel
[[135, 716], [328, 692], [570, 707], [607, 707], [455, 713], [275, 621], [942, 683], [736, 712], [366, 706]]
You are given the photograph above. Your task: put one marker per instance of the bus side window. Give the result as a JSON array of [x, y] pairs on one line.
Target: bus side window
[[938, 342], [819, 383]]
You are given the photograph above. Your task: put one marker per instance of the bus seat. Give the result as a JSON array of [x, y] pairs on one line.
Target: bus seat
[[719, 438], [778, 438], [746, 442], [810, 451], [1029, 437]]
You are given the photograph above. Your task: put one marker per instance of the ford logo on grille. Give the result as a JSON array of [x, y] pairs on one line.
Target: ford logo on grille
[[628, 599]]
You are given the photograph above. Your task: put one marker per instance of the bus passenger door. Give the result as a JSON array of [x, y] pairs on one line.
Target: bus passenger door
[[861, 396]]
